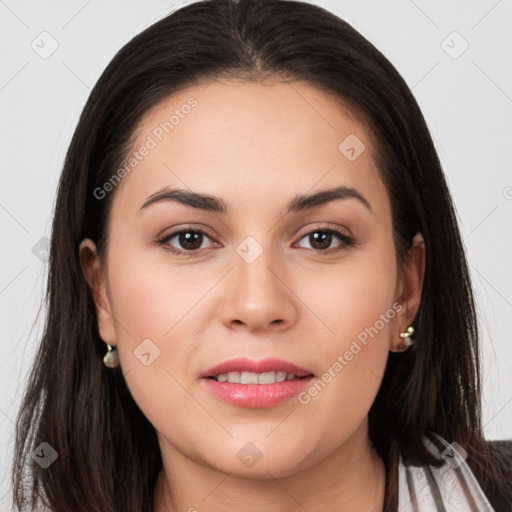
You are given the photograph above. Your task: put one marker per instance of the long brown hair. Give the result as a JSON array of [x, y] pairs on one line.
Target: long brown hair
[[108, 455]]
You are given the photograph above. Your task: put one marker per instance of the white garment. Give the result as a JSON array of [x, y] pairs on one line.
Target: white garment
[[451, 487]]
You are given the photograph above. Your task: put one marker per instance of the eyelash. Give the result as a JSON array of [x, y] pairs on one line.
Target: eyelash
[[347, 241]]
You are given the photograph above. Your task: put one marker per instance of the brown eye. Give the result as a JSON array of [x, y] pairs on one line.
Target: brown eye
[[185, 242], [320, 240], [190, 240]]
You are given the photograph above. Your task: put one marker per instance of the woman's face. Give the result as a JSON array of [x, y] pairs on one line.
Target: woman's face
[[265, 277]]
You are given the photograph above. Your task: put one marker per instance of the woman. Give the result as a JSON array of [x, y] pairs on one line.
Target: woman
[[258, 295]]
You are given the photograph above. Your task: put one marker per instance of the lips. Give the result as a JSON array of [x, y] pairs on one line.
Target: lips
[[239, 382], [248, 365]]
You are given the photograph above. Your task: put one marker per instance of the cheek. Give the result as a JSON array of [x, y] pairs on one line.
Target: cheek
[[156, 325], [152, 301], [356, 307], [149, 306], [351, 296]]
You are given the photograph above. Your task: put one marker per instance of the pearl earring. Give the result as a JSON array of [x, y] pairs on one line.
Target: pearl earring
[[111, 358], [407, 335]]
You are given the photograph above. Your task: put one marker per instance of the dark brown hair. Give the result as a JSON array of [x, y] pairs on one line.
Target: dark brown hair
[[108, 455]]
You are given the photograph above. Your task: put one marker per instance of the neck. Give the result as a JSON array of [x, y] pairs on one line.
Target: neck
[[352, 477]]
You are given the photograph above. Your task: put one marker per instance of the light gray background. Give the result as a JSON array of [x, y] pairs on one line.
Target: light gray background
[[467, 102]]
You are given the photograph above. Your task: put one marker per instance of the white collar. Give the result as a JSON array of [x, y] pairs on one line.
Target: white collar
[[451, 487]]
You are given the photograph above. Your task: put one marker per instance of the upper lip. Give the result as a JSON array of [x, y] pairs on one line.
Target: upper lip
[[244, 364]]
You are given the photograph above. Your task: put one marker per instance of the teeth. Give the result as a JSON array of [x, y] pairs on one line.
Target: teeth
[[255, 378], [233, 377], [249, 378], [280, 376], [266, 378]]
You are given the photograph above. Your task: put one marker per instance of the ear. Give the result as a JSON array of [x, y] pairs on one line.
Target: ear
[[408, 290], [95, 276]]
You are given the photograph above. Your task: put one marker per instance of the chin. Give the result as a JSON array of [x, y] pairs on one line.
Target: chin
[[262, 460]]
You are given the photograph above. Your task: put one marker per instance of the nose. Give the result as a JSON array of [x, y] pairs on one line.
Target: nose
[[259, 296]]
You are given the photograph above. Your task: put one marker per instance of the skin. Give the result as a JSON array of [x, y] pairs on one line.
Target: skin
[[256, 146]]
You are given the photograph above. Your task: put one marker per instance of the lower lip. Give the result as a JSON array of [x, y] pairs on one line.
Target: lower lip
[[256, 395]]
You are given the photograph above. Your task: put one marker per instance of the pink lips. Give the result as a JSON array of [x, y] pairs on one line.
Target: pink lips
[[244, 364], [256, 395]]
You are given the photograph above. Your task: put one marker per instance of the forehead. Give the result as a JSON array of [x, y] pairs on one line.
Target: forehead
[[246, 139]]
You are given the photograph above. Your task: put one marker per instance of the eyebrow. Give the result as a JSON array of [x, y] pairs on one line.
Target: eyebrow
[[215, 204]]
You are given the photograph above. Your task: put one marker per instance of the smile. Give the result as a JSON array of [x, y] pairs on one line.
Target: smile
[[255, 384], [254, 378]]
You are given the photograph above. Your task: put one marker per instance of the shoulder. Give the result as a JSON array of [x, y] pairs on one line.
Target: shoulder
[[500, 493], [504, 446], [502, 450]]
